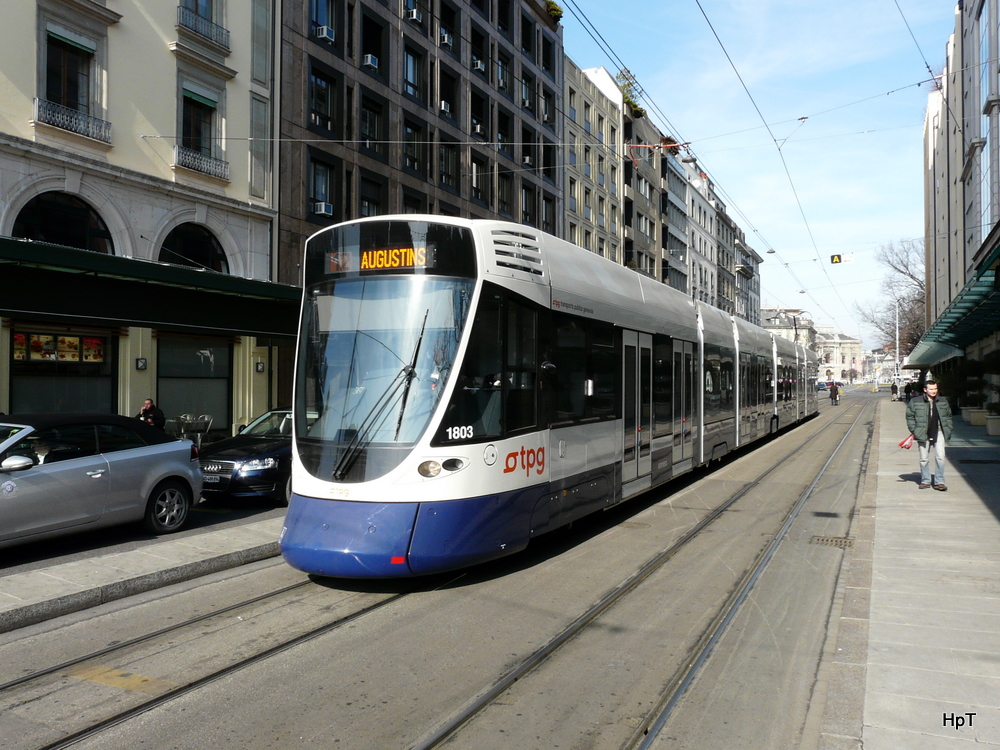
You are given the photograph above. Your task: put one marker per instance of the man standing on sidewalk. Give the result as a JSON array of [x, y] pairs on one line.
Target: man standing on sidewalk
[[929, 419]]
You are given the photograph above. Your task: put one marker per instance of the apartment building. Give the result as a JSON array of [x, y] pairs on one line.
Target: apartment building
[[702, 242], [451, 107], [962, 195], [674, 220], [136, 207], [747, 281], [593, 155]]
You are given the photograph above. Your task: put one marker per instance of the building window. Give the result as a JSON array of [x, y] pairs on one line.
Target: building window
[[414, 148], [371, 127], [321, 97], [196, 123], [505, 189], [199, 17], [528, 210], [321, 201], [413, 77], [503, 73], [67, 74], [448, 165], [323, 19], [371, 197], [548, 214], [480, 179], [63, 220], [194, 246]]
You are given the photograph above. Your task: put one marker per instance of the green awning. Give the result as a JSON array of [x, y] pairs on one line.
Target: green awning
[[972, 315], [72, 286]]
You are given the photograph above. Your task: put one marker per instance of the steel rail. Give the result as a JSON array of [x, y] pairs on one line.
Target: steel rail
[[450, 727], [685, 676]]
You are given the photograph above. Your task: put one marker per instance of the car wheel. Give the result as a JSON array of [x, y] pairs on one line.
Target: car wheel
[[168, 507], [288, 491]]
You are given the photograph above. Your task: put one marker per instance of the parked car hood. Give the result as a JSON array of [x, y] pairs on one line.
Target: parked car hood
[[241, 446]]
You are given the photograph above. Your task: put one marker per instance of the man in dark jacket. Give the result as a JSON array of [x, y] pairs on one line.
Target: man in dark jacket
[[929, 419], [151, 414]]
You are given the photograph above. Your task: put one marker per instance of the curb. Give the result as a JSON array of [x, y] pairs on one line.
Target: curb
[[36, 612]]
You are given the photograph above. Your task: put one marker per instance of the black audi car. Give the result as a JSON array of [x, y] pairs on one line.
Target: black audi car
[[257, 463]]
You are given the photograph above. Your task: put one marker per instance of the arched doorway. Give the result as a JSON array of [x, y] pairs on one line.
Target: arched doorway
[[193, 245], [63, 219]]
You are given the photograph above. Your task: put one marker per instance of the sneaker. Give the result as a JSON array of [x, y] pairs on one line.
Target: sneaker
[[941, 487], [924, 486]]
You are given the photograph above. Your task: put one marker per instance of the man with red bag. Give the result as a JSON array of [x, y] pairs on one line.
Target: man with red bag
[[929, 419]]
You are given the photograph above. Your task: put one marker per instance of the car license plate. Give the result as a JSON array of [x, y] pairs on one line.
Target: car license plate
[[209, 479]]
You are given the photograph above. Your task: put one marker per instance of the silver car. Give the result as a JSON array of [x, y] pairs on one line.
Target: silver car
[[62, 473]]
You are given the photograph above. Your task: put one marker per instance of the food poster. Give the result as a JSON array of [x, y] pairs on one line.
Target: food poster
[[20, 346], [68, 349], [43, 347], [93, 350]]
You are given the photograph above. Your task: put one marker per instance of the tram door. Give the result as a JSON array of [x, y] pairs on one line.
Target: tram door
[[637, 392], [685, 424]]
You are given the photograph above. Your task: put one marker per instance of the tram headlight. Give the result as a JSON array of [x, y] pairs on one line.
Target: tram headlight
[[429, 469]]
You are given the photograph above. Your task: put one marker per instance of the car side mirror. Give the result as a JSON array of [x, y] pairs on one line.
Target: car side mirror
[[240, 428], [16, 463]]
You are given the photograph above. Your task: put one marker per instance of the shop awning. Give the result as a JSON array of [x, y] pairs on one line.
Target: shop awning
[[973, 314], [39, 281]]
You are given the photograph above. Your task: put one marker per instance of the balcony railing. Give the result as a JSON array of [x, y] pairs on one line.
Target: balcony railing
[[197, 161], [202, 26], [69, 119]]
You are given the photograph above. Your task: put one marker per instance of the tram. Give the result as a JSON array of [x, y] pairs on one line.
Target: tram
[[463, 386]]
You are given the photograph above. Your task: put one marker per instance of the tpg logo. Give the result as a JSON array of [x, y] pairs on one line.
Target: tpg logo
[[526, 459]]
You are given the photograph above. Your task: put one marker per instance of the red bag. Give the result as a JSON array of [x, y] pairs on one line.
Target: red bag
[[906, 442]]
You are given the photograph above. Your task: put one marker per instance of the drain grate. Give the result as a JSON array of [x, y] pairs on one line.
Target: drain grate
[[634, 525], [979, 461], [833, 541]]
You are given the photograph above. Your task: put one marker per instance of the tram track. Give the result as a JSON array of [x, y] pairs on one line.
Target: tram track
[[26, 688], [526, 667], [675, 687]]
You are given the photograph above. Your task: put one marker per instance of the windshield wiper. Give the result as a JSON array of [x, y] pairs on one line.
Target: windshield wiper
[[376, 414], [410, 372]]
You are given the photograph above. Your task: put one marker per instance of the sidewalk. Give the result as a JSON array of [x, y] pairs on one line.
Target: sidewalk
[[27, 598], [916, 663]]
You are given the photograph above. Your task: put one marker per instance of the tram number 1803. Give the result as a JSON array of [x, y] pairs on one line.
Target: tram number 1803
[[460, 433]]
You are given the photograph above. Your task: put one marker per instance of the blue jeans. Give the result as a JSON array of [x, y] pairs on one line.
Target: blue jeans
[[925, 462]]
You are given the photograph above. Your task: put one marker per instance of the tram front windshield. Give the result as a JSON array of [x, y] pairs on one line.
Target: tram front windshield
[[377, 344]]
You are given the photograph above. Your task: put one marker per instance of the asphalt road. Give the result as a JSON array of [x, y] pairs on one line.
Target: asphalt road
[[392, 676]]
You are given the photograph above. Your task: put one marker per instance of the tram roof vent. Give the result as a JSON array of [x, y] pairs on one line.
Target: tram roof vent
[[517, 251]]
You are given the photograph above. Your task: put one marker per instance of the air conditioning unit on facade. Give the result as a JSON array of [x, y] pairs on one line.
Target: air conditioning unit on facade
[[502, 83], [526, 102], [479, 66], [326, 33], [323, 209], [446, 39], [414, 15], [526, 161], [370, 61], [477, 129], [445, 108]]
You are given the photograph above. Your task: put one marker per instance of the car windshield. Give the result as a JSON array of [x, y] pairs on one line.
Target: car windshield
[[272, 424]]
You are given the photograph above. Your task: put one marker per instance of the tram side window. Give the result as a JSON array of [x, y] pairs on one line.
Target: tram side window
[[474, 410], [713, 380], [586, 369], [768, 383], [522, 345], [727, 383], [663, 385]]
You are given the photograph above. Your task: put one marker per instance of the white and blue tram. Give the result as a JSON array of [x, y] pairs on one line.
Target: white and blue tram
[[462, 386]]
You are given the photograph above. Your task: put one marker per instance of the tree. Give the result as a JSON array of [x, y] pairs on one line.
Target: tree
[[903, 282]]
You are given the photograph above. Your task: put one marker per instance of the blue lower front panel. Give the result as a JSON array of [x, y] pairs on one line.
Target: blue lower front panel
[[345, 539]]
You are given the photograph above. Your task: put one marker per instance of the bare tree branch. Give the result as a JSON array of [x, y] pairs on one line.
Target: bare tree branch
[[903, 284]]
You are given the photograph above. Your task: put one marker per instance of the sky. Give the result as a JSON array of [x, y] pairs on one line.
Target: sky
[[734, 78]]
